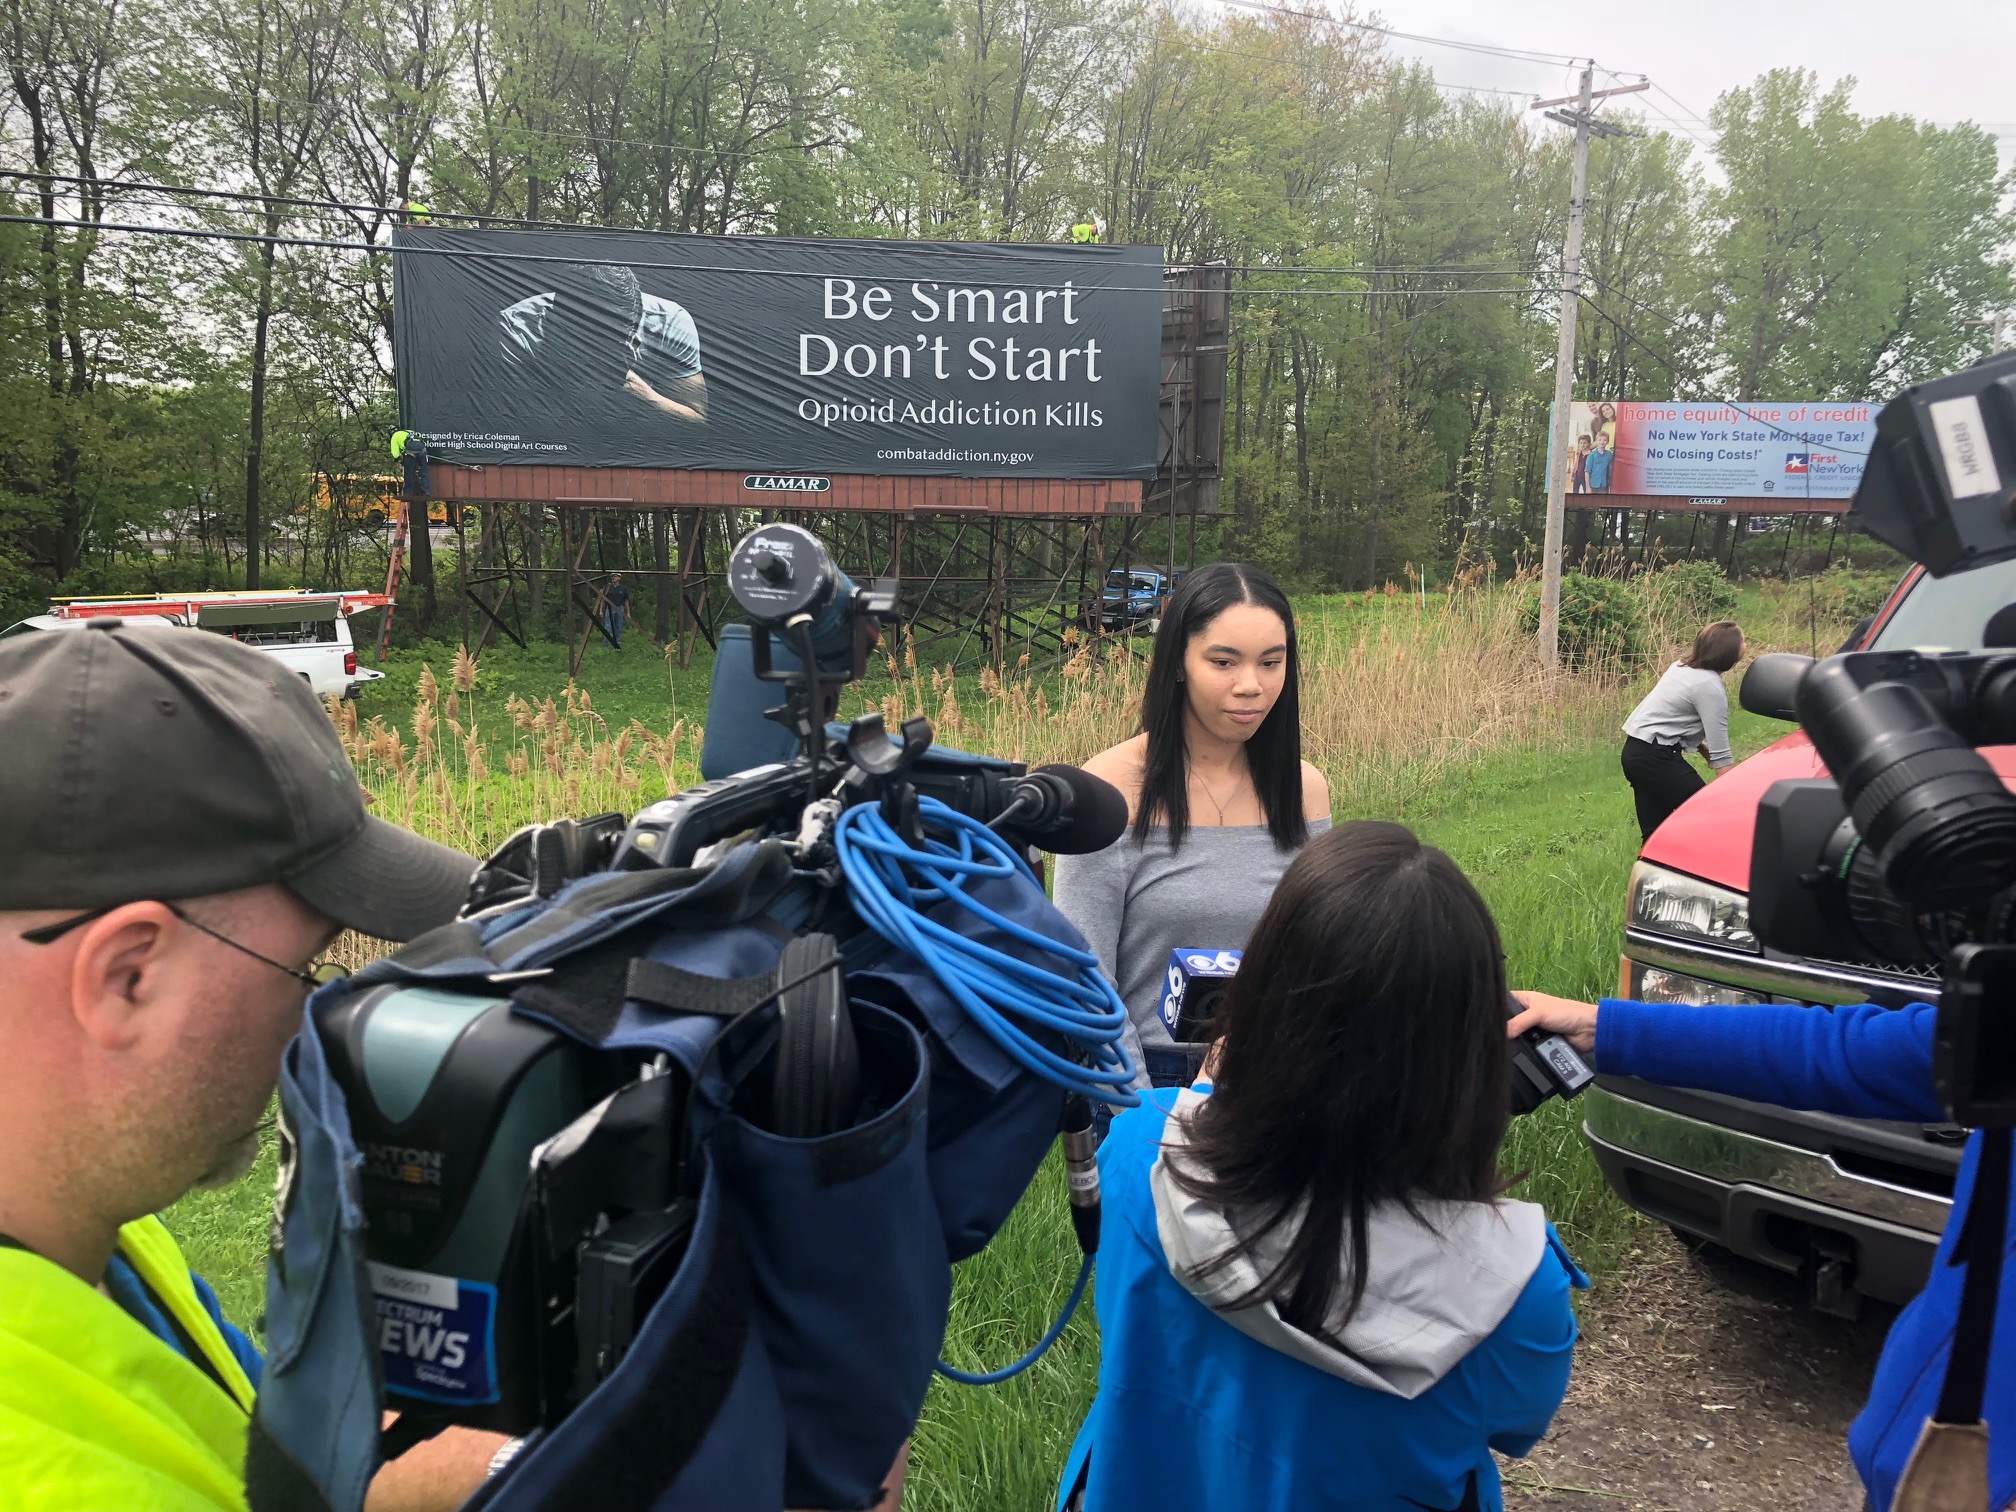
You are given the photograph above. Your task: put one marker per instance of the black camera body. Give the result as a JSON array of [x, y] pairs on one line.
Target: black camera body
[[1906, 855]]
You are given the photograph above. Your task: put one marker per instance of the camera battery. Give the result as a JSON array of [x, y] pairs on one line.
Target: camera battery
[[624, 1270], [1191, 990]]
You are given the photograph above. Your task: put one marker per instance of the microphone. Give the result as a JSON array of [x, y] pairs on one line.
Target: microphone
[[1062, 809]]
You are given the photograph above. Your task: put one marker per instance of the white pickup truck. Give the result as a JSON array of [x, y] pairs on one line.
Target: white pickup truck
[[307, 633]]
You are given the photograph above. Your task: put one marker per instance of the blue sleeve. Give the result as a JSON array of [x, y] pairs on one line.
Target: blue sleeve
[[1523, 1375], [1862, 1062], [249, 1359]]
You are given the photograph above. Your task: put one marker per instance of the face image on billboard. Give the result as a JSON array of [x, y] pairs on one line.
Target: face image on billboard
[[1690, 449], [619, 349]]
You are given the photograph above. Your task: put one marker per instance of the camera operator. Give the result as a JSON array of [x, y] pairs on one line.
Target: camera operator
[[1376, 1319], [183, 838], [1861, 1062]]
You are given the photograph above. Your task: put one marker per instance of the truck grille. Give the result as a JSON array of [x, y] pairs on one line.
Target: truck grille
[[1928, 974]]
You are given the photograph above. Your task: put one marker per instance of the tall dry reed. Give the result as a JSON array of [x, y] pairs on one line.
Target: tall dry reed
[[471, 787], [1398, 691]]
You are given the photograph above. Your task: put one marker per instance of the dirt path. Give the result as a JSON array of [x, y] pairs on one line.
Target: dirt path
[[1704, 1385]]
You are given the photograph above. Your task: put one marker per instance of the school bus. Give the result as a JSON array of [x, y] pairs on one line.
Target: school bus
[[378, 505]]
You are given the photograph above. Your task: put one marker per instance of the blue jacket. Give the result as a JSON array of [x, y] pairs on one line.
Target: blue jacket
[[1195, 1413], [1599, 470], [1864, 1062]]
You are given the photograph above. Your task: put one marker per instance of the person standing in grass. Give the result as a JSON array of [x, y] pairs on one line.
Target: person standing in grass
[[1688, 706], [1218, 792], [1311, 1293], [615, 610]]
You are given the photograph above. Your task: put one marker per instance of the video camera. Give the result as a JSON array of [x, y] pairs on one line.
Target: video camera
[[531, 1091], [1907, 855]]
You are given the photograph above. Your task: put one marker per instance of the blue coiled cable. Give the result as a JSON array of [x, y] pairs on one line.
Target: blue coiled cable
[[892, 882]]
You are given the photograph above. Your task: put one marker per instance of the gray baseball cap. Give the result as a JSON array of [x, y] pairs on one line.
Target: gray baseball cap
[[166, 764]]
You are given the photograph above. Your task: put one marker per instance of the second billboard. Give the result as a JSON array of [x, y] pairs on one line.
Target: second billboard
[[1731, 449]]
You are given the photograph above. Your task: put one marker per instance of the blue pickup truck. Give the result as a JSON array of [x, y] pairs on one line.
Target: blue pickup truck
[[1134, 597]]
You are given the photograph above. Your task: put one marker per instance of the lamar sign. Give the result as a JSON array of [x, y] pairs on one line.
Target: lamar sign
[[785, 483]]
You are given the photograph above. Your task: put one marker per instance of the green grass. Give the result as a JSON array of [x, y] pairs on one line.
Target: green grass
[[224, 1235], [1549, 837]]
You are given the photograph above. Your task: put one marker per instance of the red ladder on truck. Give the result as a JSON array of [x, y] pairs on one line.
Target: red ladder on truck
[[197, 608]]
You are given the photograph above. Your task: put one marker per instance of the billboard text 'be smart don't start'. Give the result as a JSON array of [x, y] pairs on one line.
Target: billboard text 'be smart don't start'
[[634, 349]]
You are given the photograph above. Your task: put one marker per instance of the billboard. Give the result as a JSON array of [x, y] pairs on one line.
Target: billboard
[[778, 356], [1688, 449]]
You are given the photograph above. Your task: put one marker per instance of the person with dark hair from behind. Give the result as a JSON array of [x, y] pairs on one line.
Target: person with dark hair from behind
[[1375, 1318], [596, 332], [1688, 706], [1217, 790]]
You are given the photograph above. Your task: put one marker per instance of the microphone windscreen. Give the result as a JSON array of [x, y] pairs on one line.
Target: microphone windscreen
[[1098, 815]]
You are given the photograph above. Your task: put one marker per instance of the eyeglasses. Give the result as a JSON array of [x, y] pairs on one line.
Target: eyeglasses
[[318, 973]]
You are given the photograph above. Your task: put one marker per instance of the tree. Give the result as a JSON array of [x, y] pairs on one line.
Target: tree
[[264, 74], [1848, 252]]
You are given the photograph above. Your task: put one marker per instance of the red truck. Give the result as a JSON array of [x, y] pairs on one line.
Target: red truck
[[1854, 1206]]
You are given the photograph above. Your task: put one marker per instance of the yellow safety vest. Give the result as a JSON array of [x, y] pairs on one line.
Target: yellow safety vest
[[95, 1411], [1084, 231]]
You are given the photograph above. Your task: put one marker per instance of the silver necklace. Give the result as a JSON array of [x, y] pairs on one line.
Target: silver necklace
[[1214, 797]]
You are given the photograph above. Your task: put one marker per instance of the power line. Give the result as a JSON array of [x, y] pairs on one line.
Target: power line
[[474, 255], [1737, 405], [1517, 54], [1374, 270], [250, 197]]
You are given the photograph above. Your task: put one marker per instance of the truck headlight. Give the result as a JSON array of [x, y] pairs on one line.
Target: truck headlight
[[1672, 903], [1657, 984]]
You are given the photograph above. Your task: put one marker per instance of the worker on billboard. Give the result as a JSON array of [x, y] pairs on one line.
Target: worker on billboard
[[411, 455], [1088, 231]]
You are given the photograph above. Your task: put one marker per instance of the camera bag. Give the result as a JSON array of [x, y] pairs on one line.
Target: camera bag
[[788, 1355]]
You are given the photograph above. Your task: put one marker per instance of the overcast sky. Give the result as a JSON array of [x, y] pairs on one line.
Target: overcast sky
[[1938, 60]]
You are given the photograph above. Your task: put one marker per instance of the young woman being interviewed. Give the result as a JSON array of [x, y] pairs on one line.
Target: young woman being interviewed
[[1218, 792], [1310, 1293]]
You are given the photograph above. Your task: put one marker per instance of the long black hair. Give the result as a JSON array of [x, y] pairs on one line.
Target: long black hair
[[1363, 1062], [1273, 755]]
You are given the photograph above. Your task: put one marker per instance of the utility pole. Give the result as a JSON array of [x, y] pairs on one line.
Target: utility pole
[[1583, 119]]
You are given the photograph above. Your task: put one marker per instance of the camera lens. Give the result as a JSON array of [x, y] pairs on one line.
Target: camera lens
[[1924, 800]]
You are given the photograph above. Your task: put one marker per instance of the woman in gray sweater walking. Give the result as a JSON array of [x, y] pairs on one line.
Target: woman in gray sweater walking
[[1218, 792]]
